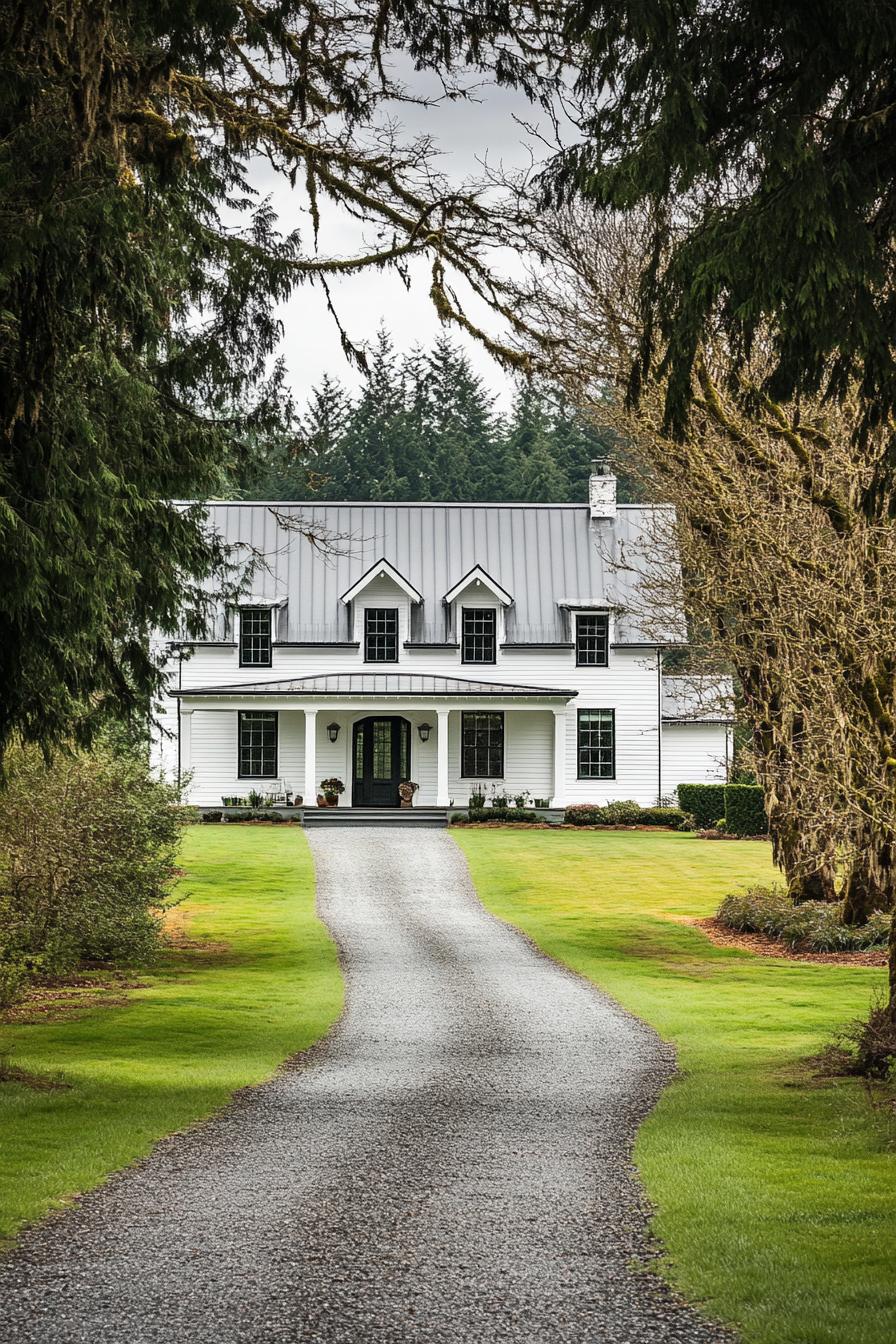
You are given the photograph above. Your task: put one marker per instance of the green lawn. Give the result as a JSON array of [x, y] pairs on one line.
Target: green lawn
[[207, 1022], [775, 1191]]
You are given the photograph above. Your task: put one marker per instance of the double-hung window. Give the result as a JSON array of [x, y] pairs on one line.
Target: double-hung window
[[478, 634], [381, 635], [257, 755], [255, 637], [597, 743], [592, 638], [482, 746]]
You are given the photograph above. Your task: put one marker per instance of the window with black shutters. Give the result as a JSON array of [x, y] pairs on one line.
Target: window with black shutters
[[592, 639], [479, 630], [597, 744], [257, 744], [482, 746], [255, 637], [381, 635]]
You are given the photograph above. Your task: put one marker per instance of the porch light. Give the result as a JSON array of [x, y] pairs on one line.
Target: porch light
[[332, 731], [424, 729]]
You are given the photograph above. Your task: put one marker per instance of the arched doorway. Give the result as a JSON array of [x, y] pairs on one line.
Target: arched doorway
[[381, 759]]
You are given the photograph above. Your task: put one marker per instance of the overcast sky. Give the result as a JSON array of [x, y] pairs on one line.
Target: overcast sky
[[467, 133]]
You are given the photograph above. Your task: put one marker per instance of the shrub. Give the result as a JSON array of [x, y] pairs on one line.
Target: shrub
[[87, 854], [626, 813], [663, 816], [501, 814], [212, 816], [584, 814], [868, 1046], [13, 979], [705, 802], [745, 810], [811, 926]]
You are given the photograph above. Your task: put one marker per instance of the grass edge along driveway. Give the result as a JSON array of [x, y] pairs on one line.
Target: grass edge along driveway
[[263, 984], [775, 1190]]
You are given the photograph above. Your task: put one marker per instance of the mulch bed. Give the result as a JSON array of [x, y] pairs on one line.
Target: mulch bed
[[763, 946]]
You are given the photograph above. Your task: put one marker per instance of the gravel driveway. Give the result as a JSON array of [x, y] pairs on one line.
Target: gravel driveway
[[451, 1164]]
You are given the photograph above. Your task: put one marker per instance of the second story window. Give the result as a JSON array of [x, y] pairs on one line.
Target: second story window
[[255, 637], [592, 639], [381, 635], [479, 635]]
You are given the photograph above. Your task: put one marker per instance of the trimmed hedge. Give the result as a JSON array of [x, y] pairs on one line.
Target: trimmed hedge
[[623, 813], [811, 926], [705, 802], [745, 810]]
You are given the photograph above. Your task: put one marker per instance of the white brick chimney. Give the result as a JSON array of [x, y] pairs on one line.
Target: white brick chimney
[[602, 490]]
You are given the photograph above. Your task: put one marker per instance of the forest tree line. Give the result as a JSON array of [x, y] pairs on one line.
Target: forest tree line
[[424, 426]]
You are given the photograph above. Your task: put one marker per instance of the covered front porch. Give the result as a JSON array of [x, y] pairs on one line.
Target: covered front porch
[[370, 731]]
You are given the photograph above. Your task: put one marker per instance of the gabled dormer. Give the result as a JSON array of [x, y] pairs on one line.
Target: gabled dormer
[[379, 605], [476, 606]]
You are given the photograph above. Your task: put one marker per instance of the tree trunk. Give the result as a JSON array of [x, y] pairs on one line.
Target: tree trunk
[[815, 886], [870, 885]]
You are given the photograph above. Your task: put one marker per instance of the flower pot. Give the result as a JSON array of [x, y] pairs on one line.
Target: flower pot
[[406, 802], [331, 799]]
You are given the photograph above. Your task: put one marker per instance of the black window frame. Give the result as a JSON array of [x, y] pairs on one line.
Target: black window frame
[[476, 614], [580, 746], [254, 635], [601, 640], [272, 716], [480, 714], [386, 634]]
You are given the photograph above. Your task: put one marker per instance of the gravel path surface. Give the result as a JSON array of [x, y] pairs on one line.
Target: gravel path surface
[[451, 1164]]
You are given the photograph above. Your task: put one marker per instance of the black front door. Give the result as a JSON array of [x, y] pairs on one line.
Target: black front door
[[381, 751]]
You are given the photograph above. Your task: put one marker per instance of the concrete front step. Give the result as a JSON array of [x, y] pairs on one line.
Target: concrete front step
[[376, 816]]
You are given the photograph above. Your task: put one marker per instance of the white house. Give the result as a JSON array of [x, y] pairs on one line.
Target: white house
[[461, 646]]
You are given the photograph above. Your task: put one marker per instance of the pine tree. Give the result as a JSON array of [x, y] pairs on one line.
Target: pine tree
[[370, 461], [534, 471]]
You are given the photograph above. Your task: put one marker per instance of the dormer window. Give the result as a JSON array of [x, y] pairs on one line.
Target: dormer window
[[255, 637], [479, 634], [592, 639], [381, 635]]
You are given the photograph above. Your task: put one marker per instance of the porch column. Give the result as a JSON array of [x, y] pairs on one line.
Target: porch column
[[442, 759], [311, 781], [559, 797], [185, 751]]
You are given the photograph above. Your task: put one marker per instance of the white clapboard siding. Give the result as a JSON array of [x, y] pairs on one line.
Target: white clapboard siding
[[628, 686], [694, 753]]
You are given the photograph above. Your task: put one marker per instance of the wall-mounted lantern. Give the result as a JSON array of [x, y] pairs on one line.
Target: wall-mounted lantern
[[424, 729], [332, 731]]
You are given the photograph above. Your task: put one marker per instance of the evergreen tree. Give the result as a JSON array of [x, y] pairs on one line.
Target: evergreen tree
[[755, 142], [376, 448], [535, 473], [460, 423], [140, 326]]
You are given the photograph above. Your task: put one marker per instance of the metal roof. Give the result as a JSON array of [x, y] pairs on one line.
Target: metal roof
[[381, 683], [699, 698], [541, 554]]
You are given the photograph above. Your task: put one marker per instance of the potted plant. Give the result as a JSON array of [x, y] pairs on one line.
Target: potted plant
[[477, 797], [255, 798], [499, 799], [540, 802], [406, 790], [331, 789], [521, 799]]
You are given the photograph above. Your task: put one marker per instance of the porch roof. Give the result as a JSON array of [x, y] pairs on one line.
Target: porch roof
[[380, 684]]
